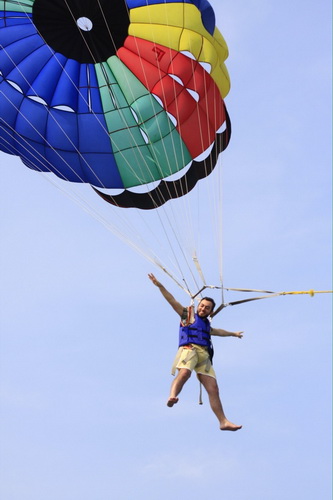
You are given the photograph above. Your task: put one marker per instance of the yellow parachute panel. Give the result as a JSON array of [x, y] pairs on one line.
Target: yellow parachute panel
[[179, 26]]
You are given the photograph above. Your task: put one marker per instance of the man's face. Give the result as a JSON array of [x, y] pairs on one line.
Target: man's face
[[204, 308]]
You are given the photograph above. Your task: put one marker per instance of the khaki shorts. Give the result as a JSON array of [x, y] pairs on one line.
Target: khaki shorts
[[194, 357]]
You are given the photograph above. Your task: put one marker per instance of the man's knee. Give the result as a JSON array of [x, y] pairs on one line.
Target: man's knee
[[184, 374], [210, 384]]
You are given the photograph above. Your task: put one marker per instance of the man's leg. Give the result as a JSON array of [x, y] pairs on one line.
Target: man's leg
[[182, 376], [212, 389]]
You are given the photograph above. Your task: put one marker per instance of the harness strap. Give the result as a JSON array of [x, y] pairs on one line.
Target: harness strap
[[175, 363], [198, 329], [200, 394]]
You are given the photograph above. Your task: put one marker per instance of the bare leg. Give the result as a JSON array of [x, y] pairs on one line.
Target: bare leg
[[182, 376], [212, 389]]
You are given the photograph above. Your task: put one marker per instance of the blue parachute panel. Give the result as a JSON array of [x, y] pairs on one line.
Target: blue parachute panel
[[89, 97]]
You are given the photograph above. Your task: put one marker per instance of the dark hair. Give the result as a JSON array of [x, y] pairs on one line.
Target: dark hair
[[209, 300]]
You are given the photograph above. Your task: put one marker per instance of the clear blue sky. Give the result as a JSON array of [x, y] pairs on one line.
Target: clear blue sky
[[87, 342]]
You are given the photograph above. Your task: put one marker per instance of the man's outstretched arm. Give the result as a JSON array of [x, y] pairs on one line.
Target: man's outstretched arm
[[224, 333], [167, 295]]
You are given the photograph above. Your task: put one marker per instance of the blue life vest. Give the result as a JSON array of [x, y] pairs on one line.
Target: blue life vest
[[196, 333]]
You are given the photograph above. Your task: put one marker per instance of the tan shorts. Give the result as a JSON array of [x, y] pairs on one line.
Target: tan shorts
[[194, 357]]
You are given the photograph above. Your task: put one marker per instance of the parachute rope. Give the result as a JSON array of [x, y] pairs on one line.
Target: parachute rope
[[269, 295]]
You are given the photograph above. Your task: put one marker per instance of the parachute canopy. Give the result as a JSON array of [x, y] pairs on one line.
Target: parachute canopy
[[116, 93]]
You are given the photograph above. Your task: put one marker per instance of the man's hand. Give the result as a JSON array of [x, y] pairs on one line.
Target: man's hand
[[154, 280], [238, 335]]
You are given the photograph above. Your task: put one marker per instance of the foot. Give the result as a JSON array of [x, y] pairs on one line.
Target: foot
[[171, 402], [229, 426]]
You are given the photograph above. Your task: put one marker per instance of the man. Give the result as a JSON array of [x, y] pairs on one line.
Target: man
[[195, 352]]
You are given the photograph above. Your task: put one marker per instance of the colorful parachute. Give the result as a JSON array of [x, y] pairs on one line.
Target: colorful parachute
[[115, 93]]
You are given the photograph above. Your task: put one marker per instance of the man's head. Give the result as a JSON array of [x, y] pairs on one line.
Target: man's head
[[205, 307]]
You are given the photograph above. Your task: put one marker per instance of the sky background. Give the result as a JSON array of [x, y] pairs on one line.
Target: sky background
[[87, 341]]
